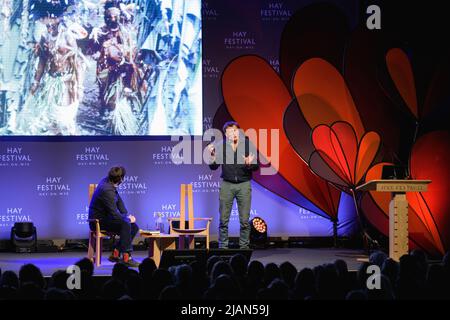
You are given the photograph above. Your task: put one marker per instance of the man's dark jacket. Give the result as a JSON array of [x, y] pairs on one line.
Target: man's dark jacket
[[234, 169], [106, 203]]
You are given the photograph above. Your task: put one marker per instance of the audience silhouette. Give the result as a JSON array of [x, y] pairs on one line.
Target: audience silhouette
[[412, 278]]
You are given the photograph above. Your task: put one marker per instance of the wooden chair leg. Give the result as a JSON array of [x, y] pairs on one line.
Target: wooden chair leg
[[191, 242], [113, 239], [98, 251], [91, 246], [207, 241], [181, 242]]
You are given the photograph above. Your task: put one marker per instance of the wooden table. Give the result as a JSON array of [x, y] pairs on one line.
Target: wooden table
[[159, 243]]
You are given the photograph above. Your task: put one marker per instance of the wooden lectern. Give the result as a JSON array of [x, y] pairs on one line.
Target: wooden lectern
[[398, 210]]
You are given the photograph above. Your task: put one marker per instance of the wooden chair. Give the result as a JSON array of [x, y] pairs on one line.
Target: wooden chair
[[96, 236], [181, 231]]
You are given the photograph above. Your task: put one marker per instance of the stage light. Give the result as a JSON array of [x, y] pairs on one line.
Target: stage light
[[258, 233], [24, 237]]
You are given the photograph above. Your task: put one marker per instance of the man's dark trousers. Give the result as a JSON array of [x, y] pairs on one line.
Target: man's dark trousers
[[126, 230], [242, 192]]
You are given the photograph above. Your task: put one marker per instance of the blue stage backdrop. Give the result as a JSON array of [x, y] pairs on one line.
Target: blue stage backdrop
[[46, 182]]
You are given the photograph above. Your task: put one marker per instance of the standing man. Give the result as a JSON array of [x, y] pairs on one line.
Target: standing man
[[237, 156], [107, 206]]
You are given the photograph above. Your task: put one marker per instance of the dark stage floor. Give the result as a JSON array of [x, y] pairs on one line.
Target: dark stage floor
[[300, 257]]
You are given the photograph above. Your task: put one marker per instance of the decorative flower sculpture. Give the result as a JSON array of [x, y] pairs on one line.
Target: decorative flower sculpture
[[332, 102], [339, 157]]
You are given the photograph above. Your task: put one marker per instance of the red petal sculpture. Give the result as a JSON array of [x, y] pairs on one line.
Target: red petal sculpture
[[430, 159], [401, 73], [323, 95], [339, 148], [257, 98]]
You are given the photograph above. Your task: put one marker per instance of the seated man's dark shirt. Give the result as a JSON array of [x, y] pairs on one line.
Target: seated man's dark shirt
[[106, 203]]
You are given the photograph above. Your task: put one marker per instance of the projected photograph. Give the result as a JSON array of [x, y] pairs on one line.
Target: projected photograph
[[100, 68]]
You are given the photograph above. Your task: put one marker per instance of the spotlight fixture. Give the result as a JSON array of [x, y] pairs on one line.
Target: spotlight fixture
[[258, 233]]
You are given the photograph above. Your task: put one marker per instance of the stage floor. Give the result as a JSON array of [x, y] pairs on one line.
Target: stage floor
[[300, 257]]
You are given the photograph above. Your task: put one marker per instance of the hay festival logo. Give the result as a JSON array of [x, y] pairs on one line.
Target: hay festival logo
[[53, 187], [15, 156], [92, 156], [12, 215], [275, 12], [241, 39]]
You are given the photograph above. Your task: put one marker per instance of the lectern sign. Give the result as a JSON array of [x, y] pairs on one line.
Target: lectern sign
[[387, 187]]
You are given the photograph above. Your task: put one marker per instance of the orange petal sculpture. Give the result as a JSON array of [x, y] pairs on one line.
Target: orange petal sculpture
[[348, 158], [256, 97]]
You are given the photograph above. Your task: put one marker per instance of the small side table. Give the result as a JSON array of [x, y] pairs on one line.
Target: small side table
[[159, 243]]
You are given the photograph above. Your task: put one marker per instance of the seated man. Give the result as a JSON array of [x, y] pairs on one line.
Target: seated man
[[107, 206]]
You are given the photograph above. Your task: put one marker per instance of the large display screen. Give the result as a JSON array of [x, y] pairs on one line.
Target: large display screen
[[101, 68]]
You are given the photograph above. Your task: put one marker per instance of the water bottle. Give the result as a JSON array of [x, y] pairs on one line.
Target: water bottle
[[159, 224]]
